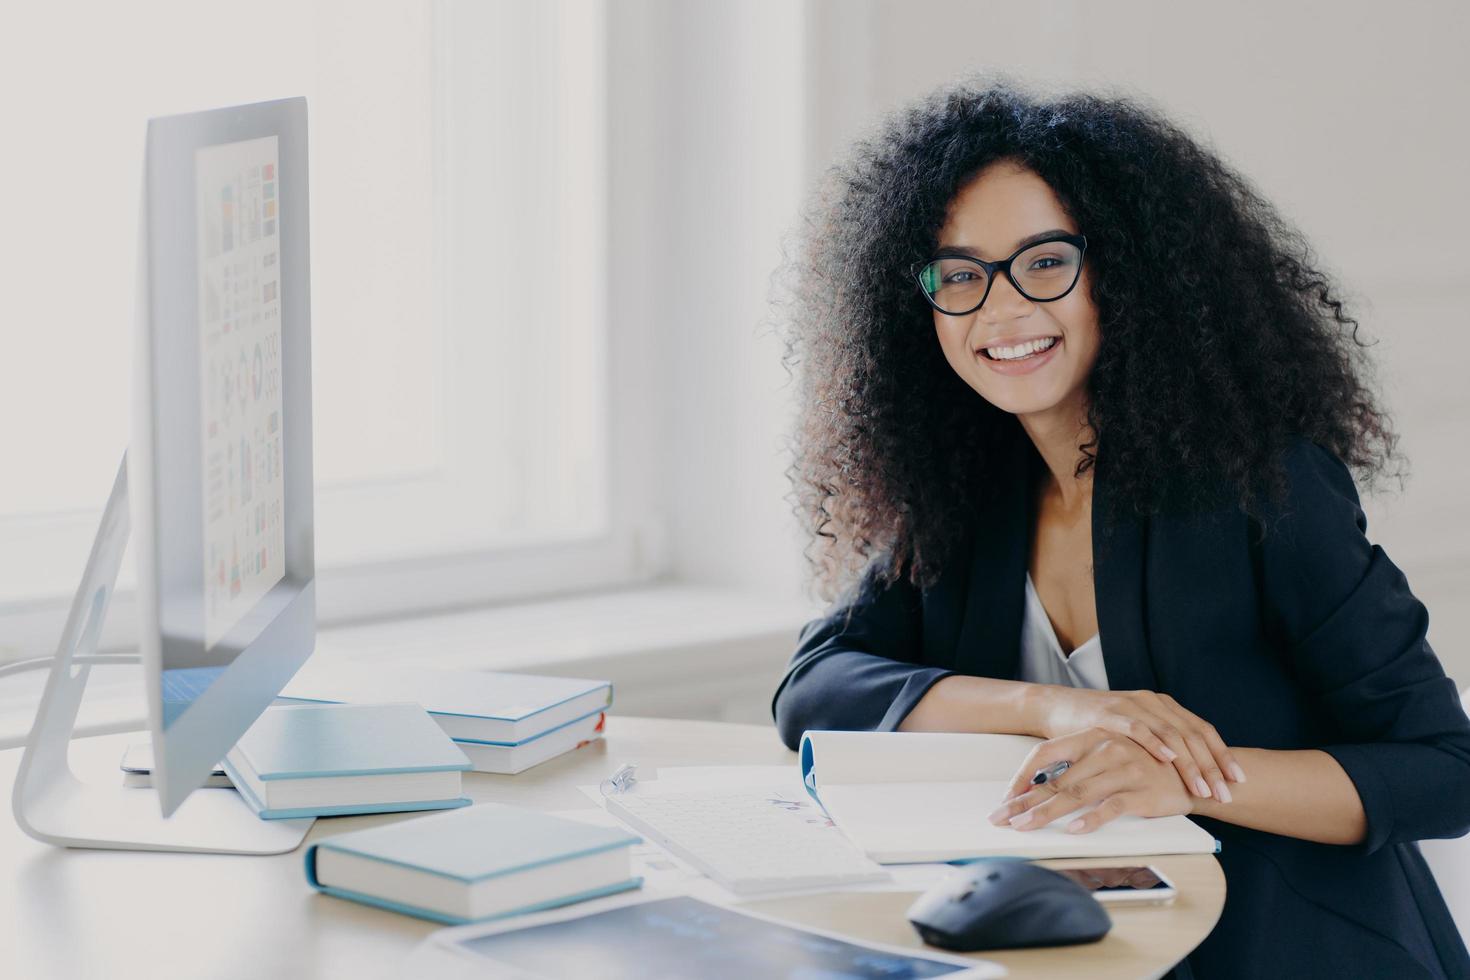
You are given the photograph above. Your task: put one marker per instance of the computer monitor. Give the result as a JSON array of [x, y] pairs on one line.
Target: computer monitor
[[221, 445], [217, 482]]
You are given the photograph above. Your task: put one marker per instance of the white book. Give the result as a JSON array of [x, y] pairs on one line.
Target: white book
[[509, 759], [474, 705], [909, 797], [318, 760], [477, 863]]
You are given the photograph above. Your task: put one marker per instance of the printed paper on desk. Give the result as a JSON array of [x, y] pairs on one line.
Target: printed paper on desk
[[665, 872]]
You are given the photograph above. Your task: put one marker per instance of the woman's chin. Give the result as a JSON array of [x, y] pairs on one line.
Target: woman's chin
[[1018, 404]]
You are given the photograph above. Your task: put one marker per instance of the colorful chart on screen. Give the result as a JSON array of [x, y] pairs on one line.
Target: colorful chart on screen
[[240, 378]]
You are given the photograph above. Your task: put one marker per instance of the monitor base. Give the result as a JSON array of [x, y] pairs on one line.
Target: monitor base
[[53, 806], [72, 813]]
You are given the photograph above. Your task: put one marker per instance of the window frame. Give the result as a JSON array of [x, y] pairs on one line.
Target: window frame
[[625, 547]]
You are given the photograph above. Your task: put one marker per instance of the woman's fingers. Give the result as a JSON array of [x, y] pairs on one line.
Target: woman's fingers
[[1212, 774], [1224, 758], [1069, 747], [1109, 808], [1071, 795], [1162, 727], [1016, 803], [1168, 734], [1204, 758], [1199, 736], [1143, 729], [1189, 763]]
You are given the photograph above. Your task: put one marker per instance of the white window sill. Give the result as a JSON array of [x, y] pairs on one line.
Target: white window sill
[[671, 650]]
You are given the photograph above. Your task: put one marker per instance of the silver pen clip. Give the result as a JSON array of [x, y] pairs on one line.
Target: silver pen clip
[[620, 781]]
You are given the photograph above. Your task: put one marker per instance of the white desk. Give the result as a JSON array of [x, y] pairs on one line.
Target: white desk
[[123, 914]]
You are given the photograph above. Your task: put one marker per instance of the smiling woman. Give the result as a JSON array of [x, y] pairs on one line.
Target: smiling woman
[[983, 338], [1012, 308]]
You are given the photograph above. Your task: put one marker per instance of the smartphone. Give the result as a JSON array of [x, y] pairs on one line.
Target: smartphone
[[1124, 885]]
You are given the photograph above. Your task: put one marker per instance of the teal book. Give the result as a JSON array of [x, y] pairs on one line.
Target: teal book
[[322, 760], [488, 861]]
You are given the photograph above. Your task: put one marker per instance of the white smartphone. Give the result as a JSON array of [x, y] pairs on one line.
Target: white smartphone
[[1124, 885]]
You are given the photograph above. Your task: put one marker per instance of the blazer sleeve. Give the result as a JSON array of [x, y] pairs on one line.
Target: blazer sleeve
[[857, 668], [1355, 637]]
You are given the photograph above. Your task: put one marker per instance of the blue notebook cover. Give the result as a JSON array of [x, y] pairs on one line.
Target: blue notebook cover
[[470, 845], [321, 741]]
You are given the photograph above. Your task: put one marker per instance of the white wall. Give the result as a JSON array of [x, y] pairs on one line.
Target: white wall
[[707, 166]]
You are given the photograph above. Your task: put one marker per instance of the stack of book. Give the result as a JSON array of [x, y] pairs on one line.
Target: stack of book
[[322, 760], [504, 723], [485, 862]]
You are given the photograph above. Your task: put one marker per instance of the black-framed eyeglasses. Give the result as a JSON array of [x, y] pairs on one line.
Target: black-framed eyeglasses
[[957, 285]]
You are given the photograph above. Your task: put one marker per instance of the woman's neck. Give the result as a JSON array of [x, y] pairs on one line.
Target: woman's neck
[[1059, 438]]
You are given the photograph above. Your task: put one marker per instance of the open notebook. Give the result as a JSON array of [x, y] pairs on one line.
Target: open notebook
[[917, 797]]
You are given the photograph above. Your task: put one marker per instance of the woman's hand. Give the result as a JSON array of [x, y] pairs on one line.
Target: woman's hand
[[1158, 723], [1110, 773]]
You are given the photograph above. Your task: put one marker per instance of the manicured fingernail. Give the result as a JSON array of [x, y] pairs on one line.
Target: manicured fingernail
[[1169, 754], [1237, 772], [998, 816], [1200, 786], [1021, 819], [1075, 825], [1224, 793]]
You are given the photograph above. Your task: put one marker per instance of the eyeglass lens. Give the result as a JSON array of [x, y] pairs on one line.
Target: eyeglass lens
[[1043, 272]]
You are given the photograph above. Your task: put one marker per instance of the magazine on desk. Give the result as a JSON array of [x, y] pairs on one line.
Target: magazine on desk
[[907, 797]]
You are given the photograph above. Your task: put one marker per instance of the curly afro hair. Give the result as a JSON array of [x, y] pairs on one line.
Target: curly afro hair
[[1221, 340]]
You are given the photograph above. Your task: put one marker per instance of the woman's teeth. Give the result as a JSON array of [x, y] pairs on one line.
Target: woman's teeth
[[1020, 351]]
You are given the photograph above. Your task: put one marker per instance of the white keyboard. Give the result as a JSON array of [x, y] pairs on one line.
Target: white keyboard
[[748, 842]]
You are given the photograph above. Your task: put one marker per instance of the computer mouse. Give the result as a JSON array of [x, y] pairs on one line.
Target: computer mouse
[[996, 903]]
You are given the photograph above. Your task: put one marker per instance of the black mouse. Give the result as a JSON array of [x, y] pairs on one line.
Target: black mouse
[[999, 903]]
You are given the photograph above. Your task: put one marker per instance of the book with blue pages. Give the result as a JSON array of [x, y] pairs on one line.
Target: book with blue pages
[[321, 760], [491, 707], [509, 758], [485, 862]]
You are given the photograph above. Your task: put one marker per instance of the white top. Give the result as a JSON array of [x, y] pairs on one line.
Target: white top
[[1042, 660]]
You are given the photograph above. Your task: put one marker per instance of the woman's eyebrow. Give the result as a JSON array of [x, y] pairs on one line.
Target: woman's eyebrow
[[1028, 240]]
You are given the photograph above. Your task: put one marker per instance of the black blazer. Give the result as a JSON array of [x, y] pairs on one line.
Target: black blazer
[[1308, 639]]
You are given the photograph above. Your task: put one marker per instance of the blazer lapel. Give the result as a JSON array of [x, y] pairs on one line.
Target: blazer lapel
[[1118, 581], [990, 635]]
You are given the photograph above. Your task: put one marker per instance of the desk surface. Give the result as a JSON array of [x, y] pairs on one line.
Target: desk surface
[[122, 914]]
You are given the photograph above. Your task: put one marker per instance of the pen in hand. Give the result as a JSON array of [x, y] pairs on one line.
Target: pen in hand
[[1042, 775], [1050, 772]]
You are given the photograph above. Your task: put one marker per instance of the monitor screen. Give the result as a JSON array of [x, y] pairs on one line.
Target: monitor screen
[[239, 378]]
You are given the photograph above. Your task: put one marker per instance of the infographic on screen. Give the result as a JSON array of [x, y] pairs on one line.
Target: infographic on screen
[[240, 378]]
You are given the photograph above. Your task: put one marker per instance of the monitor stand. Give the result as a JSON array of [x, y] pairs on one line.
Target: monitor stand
[[53, 805]]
